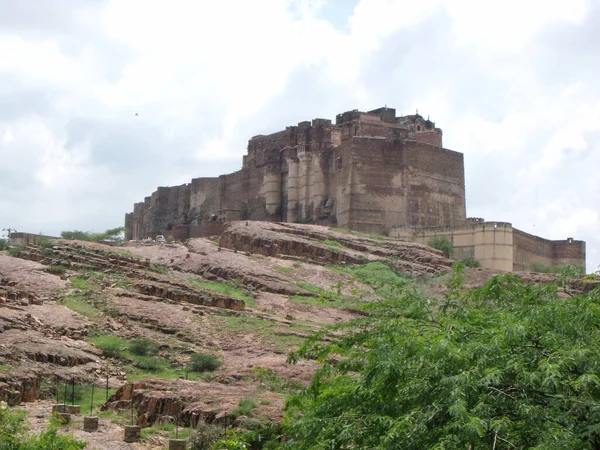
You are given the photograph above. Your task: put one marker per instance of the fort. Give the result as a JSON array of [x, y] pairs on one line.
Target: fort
[[371, 172]]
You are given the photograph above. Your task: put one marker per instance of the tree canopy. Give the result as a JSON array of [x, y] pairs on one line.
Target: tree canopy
[[509, 365]]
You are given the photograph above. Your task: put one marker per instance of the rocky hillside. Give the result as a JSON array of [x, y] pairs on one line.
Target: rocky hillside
[[187, 331]]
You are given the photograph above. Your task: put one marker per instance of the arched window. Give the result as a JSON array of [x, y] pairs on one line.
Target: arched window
[[419, 128]]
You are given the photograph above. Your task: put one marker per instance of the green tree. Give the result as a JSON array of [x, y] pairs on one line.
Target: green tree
[[442, 244], [506, 366]]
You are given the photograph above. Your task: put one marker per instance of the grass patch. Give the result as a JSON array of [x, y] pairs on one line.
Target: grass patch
[[384, 278], [80, 304], [274, 382], [224, 288], [117, 347], [283, 269], [270, 331], [83, 396], [168, 430], [111, 345], [79, 283], [245, 407], [333, 244], [324, 297]]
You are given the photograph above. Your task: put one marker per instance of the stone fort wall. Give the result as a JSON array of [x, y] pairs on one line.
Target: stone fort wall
[[367, 172], [499, 246]]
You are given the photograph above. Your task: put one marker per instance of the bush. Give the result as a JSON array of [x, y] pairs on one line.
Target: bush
[[15, 436], [15, 251], [205, 436], [143, 347], [3, 244], [245, 407], [442, 244], [471, 262], [202, 362], [148, 363]]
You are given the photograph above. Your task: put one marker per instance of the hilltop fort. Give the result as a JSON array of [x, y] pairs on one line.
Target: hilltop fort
[[371, 171]]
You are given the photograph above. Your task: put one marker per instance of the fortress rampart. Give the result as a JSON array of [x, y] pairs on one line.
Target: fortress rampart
[[369, 171]]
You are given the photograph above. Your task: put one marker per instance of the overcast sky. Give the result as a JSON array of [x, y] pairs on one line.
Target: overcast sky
[[513, 84]]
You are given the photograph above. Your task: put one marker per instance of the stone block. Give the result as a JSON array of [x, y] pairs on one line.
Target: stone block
[[90, 424], [177, 444], [73, 409], [133, 433], [58, 408]]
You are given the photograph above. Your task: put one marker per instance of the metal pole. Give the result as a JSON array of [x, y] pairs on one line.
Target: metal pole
[[65, 397], [92, 401], [72, 390], [106, 387]]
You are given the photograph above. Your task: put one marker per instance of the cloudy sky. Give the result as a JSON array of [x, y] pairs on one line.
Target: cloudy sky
[[513, 84]]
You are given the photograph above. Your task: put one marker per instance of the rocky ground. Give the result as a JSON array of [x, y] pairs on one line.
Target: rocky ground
[[69, 311]]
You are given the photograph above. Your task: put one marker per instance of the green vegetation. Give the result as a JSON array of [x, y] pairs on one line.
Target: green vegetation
[[203, 362], [245, 407], [270, 331], [83, 396], [471, 262], [507, 365], [539, 267], [81, 303], [168, 429], [333, 244], [115, 235], [14, 434], [234, 290], [442, 244], [79, 283], [274, 382], [56, 270], [284, 269], [3, 244], [204, 436], [15, 251], [116, 347], [143, 347]]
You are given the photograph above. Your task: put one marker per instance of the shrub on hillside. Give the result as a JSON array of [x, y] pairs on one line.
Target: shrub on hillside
[[3, 244], [143, 347], [204, 436], [442, 244], [202, 362]]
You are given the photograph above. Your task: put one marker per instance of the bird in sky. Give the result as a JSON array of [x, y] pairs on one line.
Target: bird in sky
[[136, 114]]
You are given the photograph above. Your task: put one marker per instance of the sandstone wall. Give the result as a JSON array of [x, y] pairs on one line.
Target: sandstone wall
[[490, 243], [529, 248], [435, 182]]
